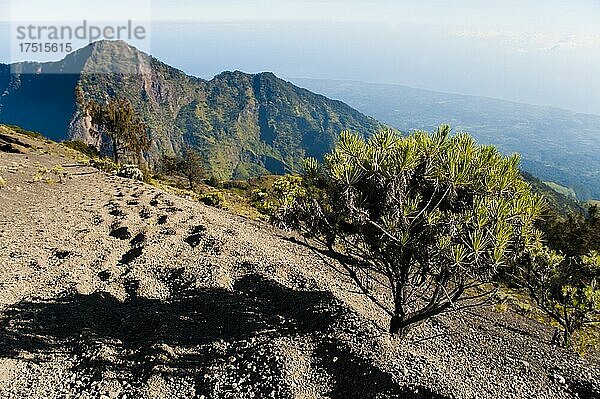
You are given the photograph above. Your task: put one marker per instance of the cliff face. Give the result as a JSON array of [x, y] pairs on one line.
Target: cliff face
[[244, 124], [41, 96]]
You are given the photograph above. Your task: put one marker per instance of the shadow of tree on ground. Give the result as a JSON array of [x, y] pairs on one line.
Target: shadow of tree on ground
[[245, 319]]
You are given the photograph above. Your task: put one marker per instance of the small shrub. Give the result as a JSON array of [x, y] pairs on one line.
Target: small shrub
[[501, 307], [565, 288], [215, 182], [84, 148], [20, 130], [575, 235], [258, 199], [104, 164], [148, 176], [279, 200], [57, 171], [2, 182], [39, 174], [585, 339], [216, 199], [507, 298], [237, 184]]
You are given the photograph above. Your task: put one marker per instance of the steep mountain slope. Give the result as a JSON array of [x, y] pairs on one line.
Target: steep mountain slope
[[557, 145], [244, 124], [111, 288], [556, 201], [41, 102]]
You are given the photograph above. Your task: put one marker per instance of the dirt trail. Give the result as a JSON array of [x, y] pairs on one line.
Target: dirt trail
[[111, 288]]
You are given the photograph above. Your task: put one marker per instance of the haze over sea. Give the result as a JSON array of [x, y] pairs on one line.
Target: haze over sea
[[538, 52]]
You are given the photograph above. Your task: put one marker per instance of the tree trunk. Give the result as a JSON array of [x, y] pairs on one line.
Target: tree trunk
[[556, 338], [400, 327], [401, 324], [566, 338], [115, 151], [395, 323]]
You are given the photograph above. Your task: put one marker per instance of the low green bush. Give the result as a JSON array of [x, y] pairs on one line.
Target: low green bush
[[237, 184], [216, 199], [566, 288], [104, 164], [20, 130], [278, 200], [215, 182], [84, 148]]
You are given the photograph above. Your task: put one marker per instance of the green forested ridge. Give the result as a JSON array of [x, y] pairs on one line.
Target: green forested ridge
[[243, 124]]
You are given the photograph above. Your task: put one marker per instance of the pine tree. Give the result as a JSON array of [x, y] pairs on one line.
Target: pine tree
[[118, 122], [418, 222]]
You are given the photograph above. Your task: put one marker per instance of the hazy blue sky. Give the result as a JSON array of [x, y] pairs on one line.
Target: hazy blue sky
[[537, 51]]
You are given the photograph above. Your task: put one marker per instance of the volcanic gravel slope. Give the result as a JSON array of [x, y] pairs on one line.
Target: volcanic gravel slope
[[110, 288]]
